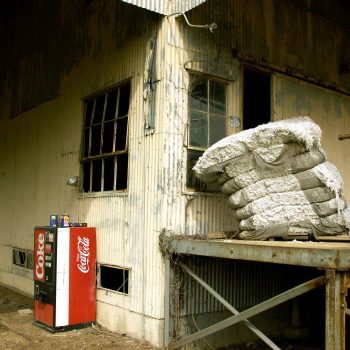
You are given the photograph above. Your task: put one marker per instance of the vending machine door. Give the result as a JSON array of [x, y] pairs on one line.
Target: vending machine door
[[44, 274], [82, 275], [62, 278]]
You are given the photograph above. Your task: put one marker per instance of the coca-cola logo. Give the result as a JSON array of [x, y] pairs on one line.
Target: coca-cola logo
[[83, 254], [39, 266]]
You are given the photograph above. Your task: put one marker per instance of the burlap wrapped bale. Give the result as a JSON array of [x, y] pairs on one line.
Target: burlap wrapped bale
[[279, 181], [301, 130]]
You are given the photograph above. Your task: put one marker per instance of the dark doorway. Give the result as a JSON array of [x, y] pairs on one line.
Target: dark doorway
[[256, 98]]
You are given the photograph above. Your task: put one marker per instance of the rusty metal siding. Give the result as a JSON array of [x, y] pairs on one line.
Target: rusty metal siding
[[326, 108], [279, 35], [187, 212], [205, 214], [243, 284], [111, 232]]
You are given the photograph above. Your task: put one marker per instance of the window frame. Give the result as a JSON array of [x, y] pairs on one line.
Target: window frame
[[26, 254], [86, 159], [123, 282], [205, 188]]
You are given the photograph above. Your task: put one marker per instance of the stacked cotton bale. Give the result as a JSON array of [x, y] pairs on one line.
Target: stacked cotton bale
[[278, 181]]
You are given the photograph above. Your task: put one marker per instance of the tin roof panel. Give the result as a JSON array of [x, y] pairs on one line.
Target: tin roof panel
[[166, 7]]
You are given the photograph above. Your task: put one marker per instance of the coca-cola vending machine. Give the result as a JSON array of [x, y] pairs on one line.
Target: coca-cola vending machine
[[64, 277]]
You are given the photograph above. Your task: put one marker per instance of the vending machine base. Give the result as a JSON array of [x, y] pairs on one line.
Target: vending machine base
[[63, 328], [64, 277]]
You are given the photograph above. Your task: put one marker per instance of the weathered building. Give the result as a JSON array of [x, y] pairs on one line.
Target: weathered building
[[126, 95]]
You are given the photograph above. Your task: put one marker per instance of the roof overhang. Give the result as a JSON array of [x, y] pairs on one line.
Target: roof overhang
[[166, 7]]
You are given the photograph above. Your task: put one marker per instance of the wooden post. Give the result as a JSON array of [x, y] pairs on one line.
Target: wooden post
[[336, 289]]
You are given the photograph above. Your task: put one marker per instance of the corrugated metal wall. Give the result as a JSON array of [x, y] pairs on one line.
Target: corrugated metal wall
[[330, 110], [40, 149], [243, 284], [187, 212], [279, 34]]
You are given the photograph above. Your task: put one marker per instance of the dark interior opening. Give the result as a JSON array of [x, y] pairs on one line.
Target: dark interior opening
[[256, 99], [109, 168], [122, 172], [114, 278], [111, 104], [120, 142], [95, 140], [124, 100], [96, 175], [86, 178], [19, 257]]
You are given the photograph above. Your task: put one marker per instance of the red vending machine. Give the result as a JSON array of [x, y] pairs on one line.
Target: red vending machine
[[64, 277]]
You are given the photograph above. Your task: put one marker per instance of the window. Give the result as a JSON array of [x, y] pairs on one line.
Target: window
[[105, 144], [24, 258], [256, 100], [207, 122], [113, 278]]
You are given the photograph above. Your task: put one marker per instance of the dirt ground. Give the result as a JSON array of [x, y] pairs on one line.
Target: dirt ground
[[17, 330]]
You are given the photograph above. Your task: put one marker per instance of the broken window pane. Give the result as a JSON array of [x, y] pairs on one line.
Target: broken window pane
[[124, 100], [122, 172], [109, 168], [86, 142], [199, 94], [88, 111], [217, 98], [86, 177], [198, 129], [111, 105], [122, 125], [99, 107], [108, 137], [95, 140], [96, 175]]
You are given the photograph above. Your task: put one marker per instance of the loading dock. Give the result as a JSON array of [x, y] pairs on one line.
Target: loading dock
[[333, 258]]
